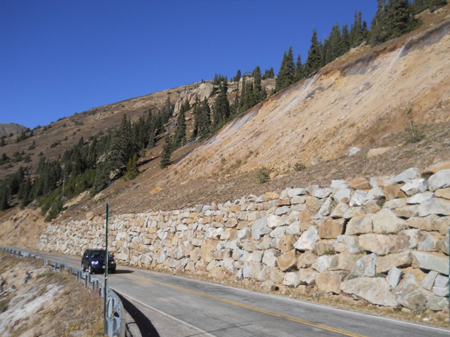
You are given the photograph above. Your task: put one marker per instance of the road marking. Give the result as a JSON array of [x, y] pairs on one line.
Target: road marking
[[271, 313]]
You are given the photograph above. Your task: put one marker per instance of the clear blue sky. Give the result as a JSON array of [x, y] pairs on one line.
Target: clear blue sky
[[64, 56]]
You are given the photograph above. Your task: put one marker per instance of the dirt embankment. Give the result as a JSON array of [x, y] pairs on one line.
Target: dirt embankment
[[37, 301]]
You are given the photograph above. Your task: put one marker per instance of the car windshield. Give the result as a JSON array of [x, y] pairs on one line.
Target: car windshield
[[99, 253]]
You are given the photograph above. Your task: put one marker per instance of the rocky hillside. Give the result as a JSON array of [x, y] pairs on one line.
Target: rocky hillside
[[11, 129]]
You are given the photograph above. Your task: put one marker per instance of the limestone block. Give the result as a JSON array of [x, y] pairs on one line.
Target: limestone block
[[347, 261], [385, 263], [229, 234], [351, 212], [439, 180], [319, 192], [411, 295], [360, 184], [395, 203], [260, 228], [394, 276], [270, 258], [371, 206], [442, 224], [361, 224], [342, 194], [325, 262], [308, 276], [244, 233], [374, 290], [268, 196], [377, 243], [339, 211], [378, 151], [443, 245], [278, 232], [292, 279], [407, 239], [325, 210], [385, 222], [331, 229], [441, 291], [392, 192], [407, 176], [428, 242], [365, 266], [425, 223], [293, 192], [428, 281], [207, 249], [441, 281], [308, 239], [324, 247], [286, 243], [408, 211], [293, 228], [358, 198], [287, 260], [306, 260], [329, 282], [419, 198], [434, 206], [228, 264], [347, 244], [443, 193], [430, 261], [415, 186], [276, 275]]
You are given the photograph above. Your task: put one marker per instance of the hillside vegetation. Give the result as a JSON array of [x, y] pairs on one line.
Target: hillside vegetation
[[231, 140]]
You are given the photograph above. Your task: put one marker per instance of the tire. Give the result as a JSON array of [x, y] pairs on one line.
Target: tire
[[90, 271], [113, 271]]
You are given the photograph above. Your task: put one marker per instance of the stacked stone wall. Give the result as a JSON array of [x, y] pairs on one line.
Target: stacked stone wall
[[384, 240]]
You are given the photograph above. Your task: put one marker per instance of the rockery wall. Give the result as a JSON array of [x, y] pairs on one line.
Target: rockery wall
[[384, 240]]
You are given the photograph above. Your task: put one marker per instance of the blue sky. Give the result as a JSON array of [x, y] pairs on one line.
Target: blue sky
[[61, 57]]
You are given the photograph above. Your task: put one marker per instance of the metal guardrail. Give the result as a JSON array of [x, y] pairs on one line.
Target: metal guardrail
[[114, 324]]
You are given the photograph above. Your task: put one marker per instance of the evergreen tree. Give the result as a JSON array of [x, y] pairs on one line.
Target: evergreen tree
[[398, 18], [221, 106], [166, 152], [237, 77], [268, 73], [132, 169], [378, 33], [168, 110], [101, 178], [204, 124], [179, 138], [436, 4], [4, 196], [345, 41], [315, 58], [121, 146], [299, 71], [356, 30], [287, 71], [196, 113]]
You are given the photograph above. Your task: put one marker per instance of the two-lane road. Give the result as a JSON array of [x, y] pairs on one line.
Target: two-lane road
[[177, 306]]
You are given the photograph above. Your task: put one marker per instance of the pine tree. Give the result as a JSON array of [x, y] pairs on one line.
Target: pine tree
[[287, 71], [345, 41], [315, 55], [166, 152], [299, 71], [101, 180], [237, 77], [221, 106], [132, 169], [378, 33], [168, 110], [398, 18], [179, 138], [204, 120], [4, 197], [268, 73]]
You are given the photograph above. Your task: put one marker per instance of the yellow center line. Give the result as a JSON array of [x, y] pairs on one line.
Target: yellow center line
[[271, 313]]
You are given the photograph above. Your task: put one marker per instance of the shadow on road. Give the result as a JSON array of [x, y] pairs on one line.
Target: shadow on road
[[118, 271], [145, 326]]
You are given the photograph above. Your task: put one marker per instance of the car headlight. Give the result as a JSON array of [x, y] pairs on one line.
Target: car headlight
[[94, 262], [113, 262]]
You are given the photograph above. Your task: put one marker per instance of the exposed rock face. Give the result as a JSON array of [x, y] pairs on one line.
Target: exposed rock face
[[11, 128], [270, 239]]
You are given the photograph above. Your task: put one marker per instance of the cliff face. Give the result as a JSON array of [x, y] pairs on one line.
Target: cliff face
[[320, 118]]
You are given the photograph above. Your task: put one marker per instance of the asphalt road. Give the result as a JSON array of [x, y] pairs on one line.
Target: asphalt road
[[172, 306]]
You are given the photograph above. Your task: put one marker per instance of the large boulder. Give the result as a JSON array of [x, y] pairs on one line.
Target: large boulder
[[430, 261], [287, 260], [374, 290], [386, 222], [385, 263], [365, 266], [439, 180], [329, 282], [308, 239]]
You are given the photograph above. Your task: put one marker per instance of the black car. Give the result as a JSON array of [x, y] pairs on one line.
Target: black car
[[93, 260]]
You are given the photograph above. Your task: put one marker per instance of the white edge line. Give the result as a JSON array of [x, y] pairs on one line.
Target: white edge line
[[167, 315]]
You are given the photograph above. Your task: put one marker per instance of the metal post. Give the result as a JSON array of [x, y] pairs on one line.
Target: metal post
[[106, 265]]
